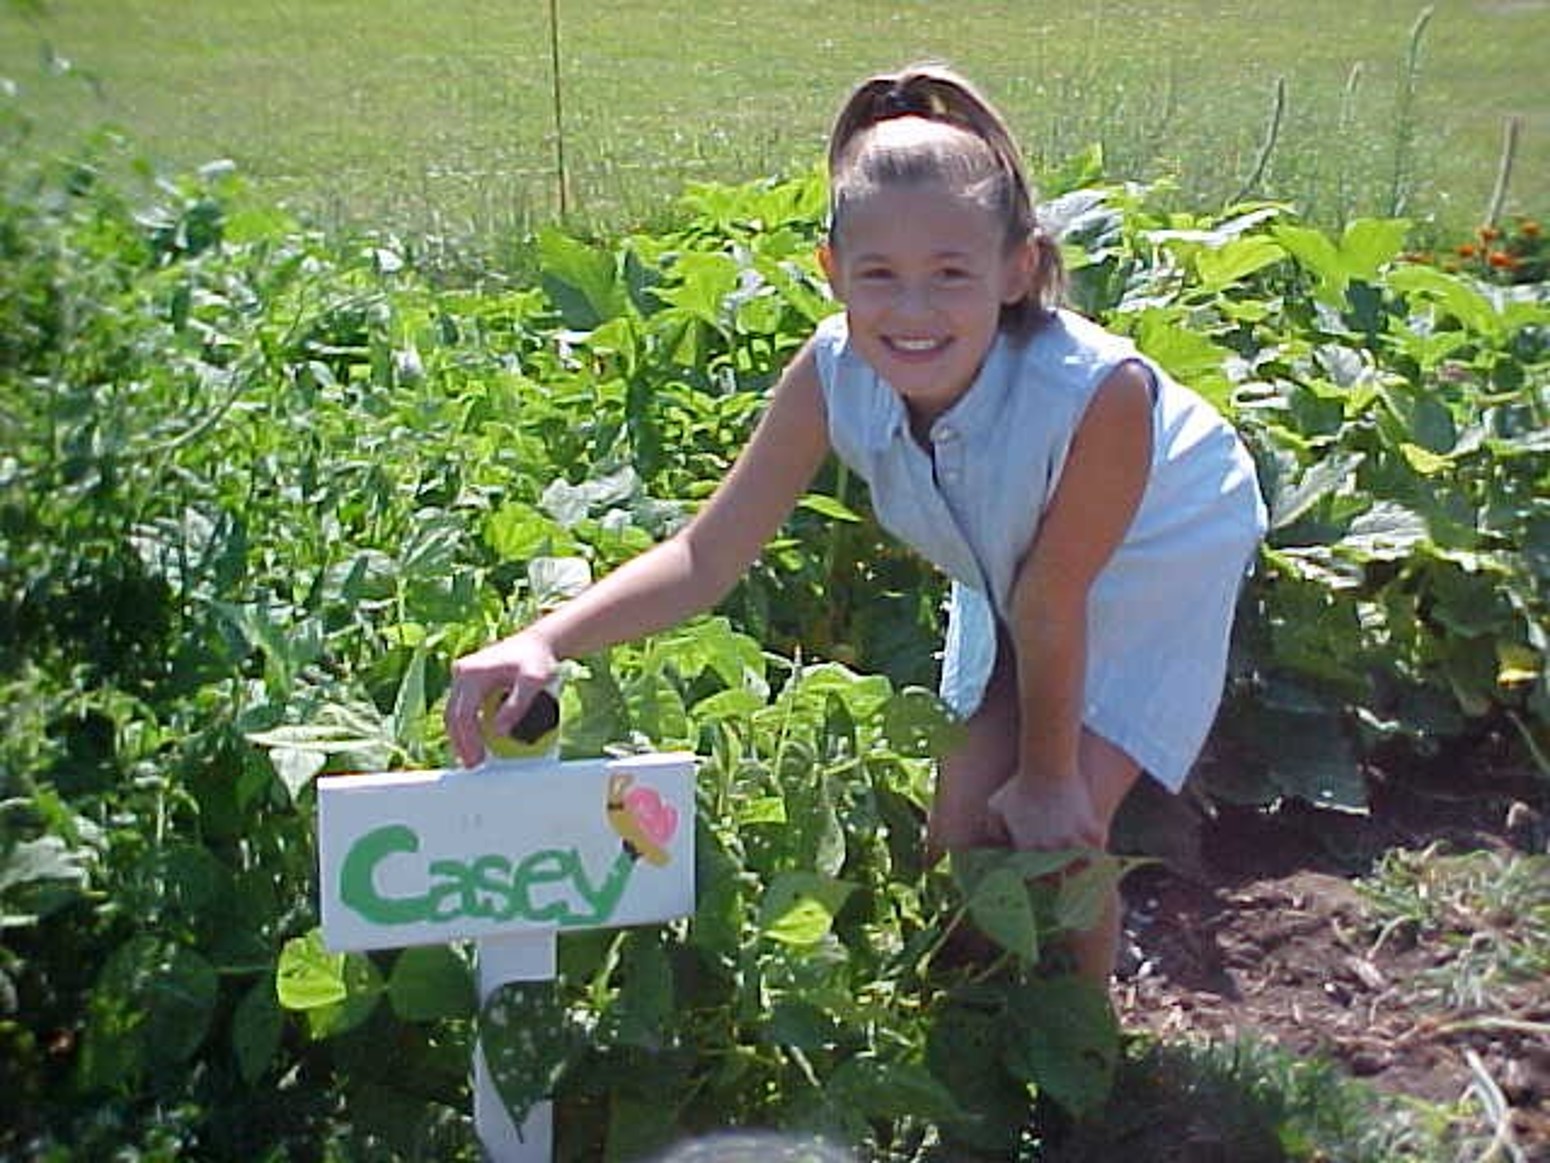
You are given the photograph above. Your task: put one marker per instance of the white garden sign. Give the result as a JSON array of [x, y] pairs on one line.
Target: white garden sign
[[507, 854]]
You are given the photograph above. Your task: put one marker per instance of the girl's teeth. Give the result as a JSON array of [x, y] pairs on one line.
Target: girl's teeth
[[915, 344]]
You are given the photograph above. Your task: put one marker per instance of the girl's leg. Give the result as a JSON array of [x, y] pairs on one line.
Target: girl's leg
[[1110, 774], [986, 759], [960, 813]]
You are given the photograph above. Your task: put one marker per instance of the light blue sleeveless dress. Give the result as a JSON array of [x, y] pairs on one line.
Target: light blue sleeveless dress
[[1160, 612]]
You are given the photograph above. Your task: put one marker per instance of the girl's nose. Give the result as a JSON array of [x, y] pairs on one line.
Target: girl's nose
[[913, 299]]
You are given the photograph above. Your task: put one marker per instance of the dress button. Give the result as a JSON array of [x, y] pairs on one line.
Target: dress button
[[946, 435], [950, 476]]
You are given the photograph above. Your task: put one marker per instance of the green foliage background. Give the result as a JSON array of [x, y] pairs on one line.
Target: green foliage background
[[259, 486]]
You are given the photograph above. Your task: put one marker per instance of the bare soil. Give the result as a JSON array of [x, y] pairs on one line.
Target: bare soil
[[1254, 927]]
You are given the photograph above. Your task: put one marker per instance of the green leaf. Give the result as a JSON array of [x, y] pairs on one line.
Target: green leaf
[[645, 1001], [296, 767], [409, 703], [555, 580], [1425, 461], [1308, 755], [762, 810], [337, 991], [256, 1027], [1368, 244], [1452, 294], [1185, 353], [1316, 253], [527, 1038], [1085, 893], [1386, 532], [149, 1011], [517, 532], [308, 976], [718, 911], [964, 1049], [583, 282], [799, 907], [1064, 1040], [1291, 501], [1236, 260], [917, 724], [827, 506], [970, 866], [1000, 906], [430, 982], [891, 1090], [46, 858]]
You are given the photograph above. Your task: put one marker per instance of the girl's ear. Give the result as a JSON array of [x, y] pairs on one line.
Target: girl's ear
[[1021, 272], [827, 264]]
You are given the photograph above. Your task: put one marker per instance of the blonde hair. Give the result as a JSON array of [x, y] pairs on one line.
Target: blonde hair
[[976, 157]]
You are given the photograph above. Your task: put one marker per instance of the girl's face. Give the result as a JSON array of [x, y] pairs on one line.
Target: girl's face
[[923, 274]]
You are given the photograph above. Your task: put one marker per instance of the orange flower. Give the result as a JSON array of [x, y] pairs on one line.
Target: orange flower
[[1489, 233], [1502, 261], [1467, 250], [1528, 228]]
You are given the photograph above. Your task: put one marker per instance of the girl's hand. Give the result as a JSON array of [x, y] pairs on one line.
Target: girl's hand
[[521, 666], [1049, 815]]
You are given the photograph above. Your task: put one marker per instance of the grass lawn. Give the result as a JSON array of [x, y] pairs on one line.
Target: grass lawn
[[440, 116]]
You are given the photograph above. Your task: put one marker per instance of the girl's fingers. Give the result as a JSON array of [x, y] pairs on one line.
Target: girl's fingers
[[509, 712], [462, 716]]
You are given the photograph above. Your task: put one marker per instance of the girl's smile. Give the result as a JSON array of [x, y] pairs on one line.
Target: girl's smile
[[923, 273]]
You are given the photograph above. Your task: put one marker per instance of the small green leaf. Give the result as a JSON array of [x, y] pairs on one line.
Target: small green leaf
[[409, 703], [826, 506], [799, 907], [554, 580], [256, 1027], [430, 982], [1236, 260], [1423, 460], [763, 810], [308, 975], [645, 1002], [1001, 908]]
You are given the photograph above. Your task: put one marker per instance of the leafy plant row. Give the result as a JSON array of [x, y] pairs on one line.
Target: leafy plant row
[[258, 487]]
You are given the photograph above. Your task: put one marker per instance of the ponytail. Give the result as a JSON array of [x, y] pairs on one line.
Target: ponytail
[[981, 159]]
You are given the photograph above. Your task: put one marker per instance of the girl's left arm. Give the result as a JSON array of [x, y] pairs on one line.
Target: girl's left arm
[[1047, 805]]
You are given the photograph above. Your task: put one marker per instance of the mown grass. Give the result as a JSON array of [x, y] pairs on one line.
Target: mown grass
[[439, 117]]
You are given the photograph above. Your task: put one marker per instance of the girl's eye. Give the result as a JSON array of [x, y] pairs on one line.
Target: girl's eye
[[954, 274], [874, 274]]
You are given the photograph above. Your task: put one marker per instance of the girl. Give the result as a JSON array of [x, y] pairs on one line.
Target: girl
[[1095, 517]]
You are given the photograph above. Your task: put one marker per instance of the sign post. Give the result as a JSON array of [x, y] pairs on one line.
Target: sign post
[[508, 855]]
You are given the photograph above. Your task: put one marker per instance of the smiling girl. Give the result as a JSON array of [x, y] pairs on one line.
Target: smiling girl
[[1095, 517]]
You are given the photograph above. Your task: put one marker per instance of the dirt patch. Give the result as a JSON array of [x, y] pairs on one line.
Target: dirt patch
[[1261, 931]]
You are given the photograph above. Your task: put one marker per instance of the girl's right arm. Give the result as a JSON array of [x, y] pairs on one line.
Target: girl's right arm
[[689, 572]]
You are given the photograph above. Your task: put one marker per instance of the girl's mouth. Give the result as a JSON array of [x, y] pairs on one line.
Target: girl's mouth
[[910, 348]]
